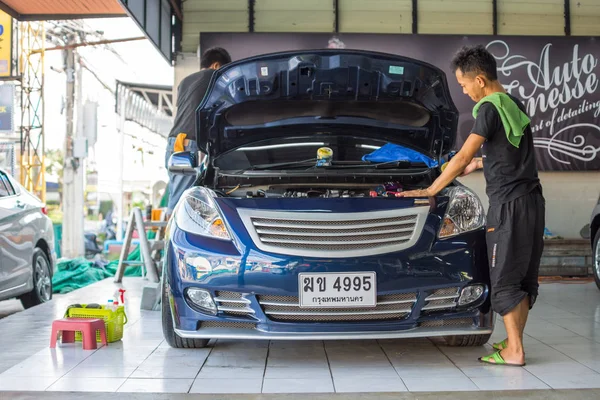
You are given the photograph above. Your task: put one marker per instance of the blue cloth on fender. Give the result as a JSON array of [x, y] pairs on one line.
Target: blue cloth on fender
[[393, 152]]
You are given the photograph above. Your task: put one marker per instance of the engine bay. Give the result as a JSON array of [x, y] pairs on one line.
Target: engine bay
[[388, 189]]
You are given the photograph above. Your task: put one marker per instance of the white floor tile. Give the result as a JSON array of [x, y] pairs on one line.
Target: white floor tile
[[423, 370], [299, 344], [231, 373], [433, 384], [100, 372], [34, 384], [241, 344], [298, 386], [510, 383], [562, 381], [25, 370], [314, 362], [114, 358], [352, 372], [87, 385], [592, 364], [166, 362], [558, 368], [235, 360], [297, 373], [169, 372], [368, 385], [156, 385], [377, 360], [226, 385], [185, 353]]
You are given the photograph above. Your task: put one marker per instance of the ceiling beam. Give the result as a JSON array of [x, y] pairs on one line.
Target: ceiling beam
[[415, 16], [495, 17], [568, 17], [251, 11]]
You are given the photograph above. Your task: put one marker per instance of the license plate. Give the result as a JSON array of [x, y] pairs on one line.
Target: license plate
[[333, 290]]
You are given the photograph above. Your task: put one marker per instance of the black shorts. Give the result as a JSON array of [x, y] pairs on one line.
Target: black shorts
[[515, 242]]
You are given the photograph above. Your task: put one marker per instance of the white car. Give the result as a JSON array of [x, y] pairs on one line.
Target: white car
[[27, 255]]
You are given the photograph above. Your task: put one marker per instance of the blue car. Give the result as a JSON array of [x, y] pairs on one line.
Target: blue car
[[294, 229]]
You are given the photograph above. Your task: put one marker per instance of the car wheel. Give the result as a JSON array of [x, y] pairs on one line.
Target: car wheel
[[42, 281], [467, 340], [597, 258], [167, 325]]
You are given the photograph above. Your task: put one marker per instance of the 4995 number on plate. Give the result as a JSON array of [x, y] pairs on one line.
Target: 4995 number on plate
[[333, 290]]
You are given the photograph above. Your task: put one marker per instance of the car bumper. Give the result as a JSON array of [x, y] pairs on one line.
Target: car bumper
[[257, 323], [235, 333]]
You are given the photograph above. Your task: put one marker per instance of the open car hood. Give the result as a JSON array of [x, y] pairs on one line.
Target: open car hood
[[358, 93]]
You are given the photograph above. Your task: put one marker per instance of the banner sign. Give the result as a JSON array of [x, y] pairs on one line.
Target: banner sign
[[555, 77], [5, 44]]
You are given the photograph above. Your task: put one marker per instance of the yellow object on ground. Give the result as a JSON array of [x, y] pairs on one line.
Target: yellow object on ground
[[114, 320]]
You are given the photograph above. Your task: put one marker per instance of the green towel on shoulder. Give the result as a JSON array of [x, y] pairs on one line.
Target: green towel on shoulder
[[513, 119]]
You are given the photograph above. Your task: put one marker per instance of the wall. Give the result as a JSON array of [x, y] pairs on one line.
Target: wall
[[570, 199]]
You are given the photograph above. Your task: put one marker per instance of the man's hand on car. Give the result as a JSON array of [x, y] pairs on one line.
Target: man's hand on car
[[473, 166], [418, 193]]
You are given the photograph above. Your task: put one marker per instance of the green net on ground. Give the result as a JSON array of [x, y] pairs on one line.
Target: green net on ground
[[77, 273]]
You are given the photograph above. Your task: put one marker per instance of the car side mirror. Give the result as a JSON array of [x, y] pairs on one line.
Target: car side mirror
[[183, 163]]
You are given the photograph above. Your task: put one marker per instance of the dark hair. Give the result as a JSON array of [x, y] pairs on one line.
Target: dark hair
[[214, 55], [475, 59]]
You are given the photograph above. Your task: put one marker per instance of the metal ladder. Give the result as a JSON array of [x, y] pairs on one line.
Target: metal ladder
[[149, 249]]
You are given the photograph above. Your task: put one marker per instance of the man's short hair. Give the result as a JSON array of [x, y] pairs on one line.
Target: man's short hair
[[475, 59], [214, 55]]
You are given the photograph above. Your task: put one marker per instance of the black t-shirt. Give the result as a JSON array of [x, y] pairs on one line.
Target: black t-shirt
[[510, 172], [190, 93]]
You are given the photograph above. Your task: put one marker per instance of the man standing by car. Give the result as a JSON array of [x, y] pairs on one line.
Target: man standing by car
[[515, 221], [190, 93]]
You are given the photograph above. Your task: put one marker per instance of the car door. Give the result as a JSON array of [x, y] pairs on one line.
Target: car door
[[15, 244]]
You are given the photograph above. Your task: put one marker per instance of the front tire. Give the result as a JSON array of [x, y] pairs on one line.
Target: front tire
[[467, 340], [42, 281], [596, 262], [167, 325]]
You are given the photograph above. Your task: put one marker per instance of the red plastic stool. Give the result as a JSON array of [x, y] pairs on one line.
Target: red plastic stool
[[87, 326]]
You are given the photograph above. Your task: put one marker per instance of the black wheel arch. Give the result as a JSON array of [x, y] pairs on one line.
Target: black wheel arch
[[594, 227], [43, 245]]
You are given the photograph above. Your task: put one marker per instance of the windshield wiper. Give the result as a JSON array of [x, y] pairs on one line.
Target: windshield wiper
[[303, 163]]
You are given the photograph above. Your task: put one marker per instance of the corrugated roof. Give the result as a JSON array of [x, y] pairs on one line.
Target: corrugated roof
[[63, 9]]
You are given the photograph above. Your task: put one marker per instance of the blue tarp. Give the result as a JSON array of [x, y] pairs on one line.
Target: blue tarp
[[393, 152]]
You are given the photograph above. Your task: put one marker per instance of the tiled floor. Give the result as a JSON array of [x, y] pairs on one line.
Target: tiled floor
[[562, 343]]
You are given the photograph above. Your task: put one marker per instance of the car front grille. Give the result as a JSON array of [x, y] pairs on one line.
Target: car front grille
[[233, 303], [454, 322], [226, 324], [287, 308], [441, 299], [337, 235]]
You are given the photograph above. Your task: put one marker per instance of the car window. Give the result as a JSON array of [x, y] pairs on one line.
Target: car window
[[6, 188]]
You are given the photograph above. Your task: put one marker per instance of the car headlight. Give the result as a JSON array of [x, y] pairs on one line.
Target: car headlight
[[197, 213], [465, 212]]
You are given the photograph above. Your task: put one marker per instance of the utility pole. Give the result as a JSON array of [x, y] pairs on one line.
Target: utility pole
[[73, 243]]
